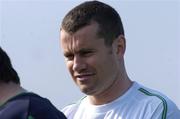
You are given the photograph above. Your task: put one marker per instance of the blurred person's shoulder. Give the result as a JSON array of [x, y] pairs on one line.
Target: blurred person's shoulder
[[29, 105]]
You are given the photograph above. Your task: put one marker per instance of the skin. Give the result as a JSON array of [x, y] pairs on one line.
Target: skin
[[9, 90], [98, 70]]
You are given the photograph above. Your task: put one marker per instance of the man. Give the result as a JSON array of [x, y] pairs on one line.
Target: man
[[93, 43], [16, 102]]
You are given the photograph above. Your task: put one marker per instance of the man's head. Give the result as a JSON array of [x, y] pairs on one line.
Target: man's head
[[110, 25], [7, 73], [93, 43]]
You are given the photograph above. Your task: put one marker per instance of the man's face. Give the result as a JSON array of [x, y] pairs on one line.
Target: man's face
[[92, 65]]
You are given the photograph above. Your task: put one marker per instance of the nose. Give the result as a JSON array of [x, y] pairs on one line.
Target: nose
[[78, 64]]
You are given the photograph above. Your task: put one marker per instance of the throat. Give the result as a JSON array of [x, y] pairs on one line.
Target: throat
[[114, 91]]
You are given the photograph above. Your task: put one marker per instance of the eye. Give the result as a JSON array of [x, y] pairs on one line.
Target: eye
[[69, 57], [86, 53]]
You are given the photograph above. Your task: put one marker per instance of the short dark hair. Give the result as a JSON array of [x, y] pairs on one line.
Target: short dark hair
[[109, 21], [7, 72]]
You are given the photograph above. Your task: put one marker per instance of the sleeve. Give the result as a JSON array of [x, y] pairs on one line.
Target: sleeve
[[169, 111], [173, 113], [41, 108]]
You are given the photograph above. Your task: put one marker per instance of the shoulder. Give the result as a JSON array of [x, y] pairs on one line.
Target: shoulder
[[160, 103], [33, 105], [14, 107], [71, 109], [40, 107], [154, 96]]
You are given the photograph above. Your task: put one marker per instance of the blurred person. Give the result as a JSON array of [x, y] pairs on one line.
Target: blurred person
[[18, 103]]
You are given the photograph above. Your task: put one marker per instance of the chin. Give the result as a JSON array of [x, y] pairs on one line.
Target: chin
[[87, 91]]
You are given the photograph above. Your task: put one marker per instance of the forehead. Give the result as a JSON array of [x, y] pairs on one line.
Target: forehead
[[83, 37], [86, 31]]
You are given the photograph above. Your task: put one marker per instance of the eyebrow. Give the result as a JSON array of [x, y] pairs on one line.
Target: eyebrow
[[66, 53], [86, 49]]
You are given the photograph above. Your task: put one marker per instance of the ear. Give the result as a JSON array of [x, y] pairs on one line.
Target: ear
[[120, 45]]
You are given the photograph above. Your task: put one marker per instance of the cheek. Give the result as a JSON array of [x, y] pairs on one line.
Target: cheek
[[93, 63], [105, 66], [69, 65]]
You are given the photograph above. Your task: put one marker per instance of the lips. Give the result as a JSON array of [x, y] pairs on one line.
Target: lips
[[84, 77]]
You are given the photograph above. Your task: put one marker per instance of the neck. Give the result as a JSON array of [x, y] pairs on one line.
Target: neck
[[117, 89], [9, 90]]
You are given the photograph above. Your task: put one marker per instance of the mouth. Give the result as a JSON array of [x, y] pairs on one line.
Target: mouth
[[84, 77]]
